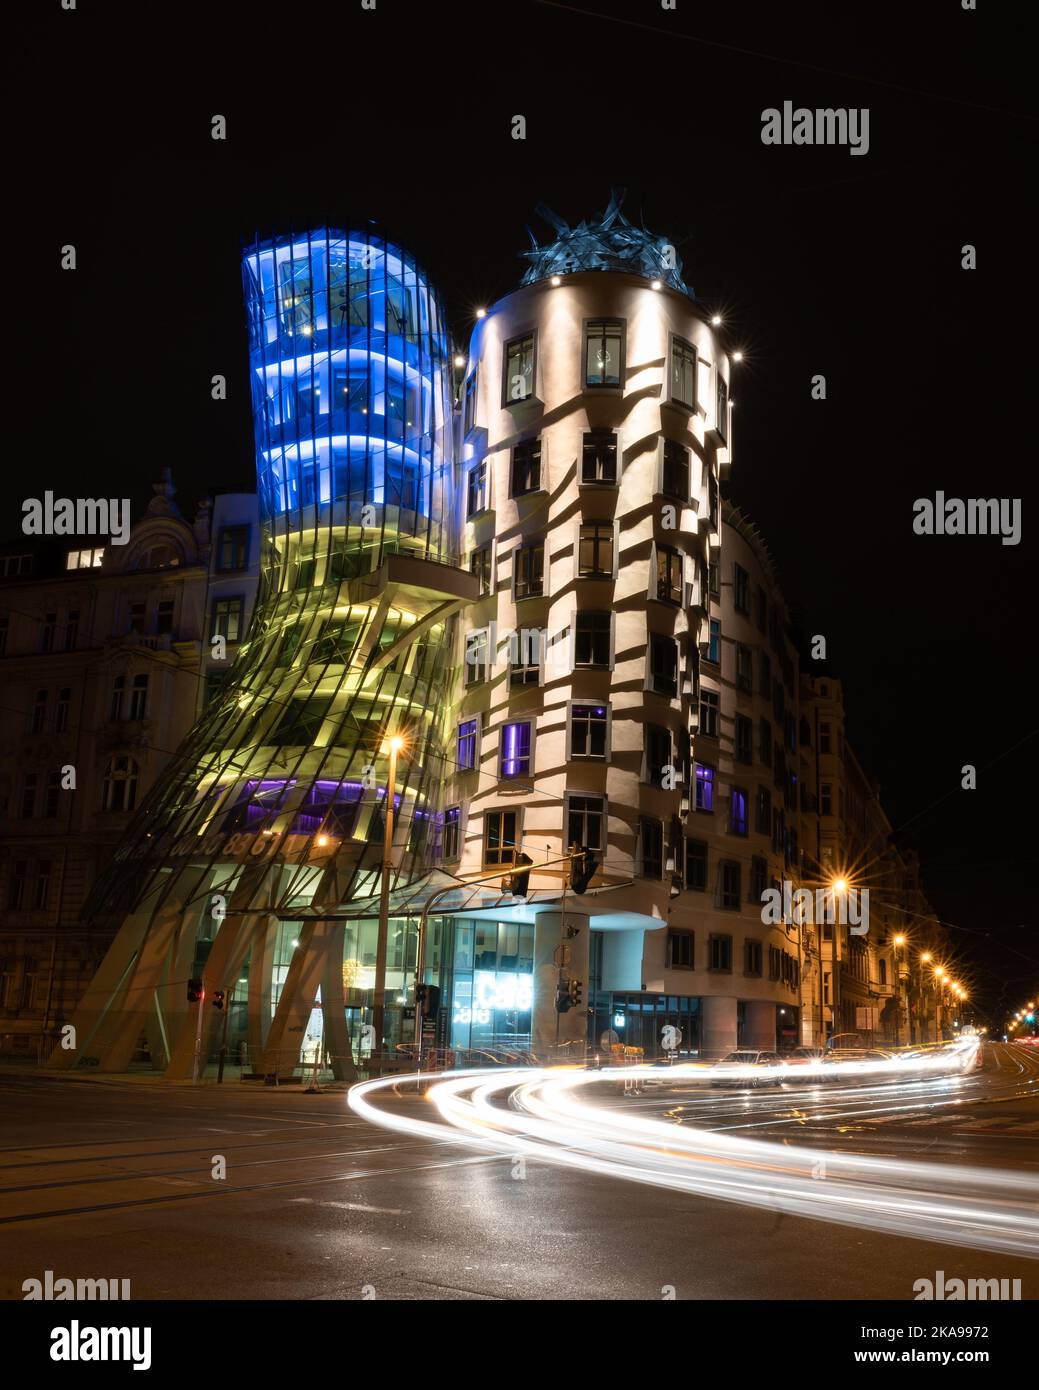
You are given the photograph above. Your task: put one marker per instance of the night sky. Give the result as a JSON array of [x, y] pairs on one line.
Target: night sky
[[823, 262]]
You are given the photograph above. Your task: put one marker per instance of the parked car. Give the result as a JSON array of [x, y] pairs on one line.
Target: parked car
[[747, 1068]]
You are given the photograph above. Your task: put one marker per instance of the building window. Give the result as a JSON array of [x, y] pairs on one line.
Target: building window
[[115, 706], [50, 627], [741, 589], [138, 697], [762, 609], [480, 566], [469, 417], [669, 574], [599, 457], [663, 665], [744, 669], [603, 345], [516, 741], [61, 710], [519, 369], [476, 650], [592, 639], [683, 373], [723, 409], [227, 618], [824, 738], [164, 616], [704, 787], [744, 739], [586, 821], [5, 628], [764, 674], [39, 712], [651, 841], [719, 950], [729, 885], [451, 848], [119, 790], [468, 744], [708, 714], [71, 629], [696, 865], [714, 642], [525, 657], [883, 970], [29, 786], [738, 811], [763, 823], [752, 957], [499, 837], [477, 491], [528, 571], [52, 795], [16, 885], [676, 471], [595, 550], [658, 755], [588, 726], [680, 950], [233, 548], [526, 467], [758, 878], [826, 799], [765, 735]]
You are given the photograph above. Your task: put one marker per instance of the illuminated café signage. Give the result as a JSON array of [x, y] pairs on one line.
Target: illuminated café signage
[[492, 991]]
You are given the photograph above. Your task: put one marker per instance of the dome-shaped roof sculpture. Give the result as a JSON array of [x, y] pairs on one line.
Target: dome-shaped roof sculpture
[[612, 243]]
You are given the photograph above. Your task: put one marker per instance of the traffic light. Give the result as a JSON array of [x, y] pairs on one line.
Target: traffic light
[[196, 989], [576, 991], [583, 868], [218, 999], [563, 1000], [518, 883]]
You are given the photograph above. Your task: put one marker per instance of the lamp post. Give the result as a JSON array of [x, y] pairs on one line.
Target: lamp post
[[900, 941], [838, 885], [392, 746]]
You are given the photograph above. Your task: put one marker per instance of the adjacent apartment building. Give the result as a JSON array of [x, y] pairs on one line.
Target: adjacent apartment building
[[105, 661]]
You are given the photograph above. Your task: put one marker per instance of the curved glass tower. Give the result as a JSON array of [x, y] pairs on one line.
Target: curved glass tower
[[269, 822]]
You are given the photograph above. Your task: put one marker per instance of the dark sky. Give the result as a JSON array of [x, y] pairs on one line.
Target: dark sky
[[823, 262]]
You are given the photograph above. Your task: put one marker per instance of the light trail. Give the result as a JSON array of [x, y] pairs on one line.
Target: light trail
[[551, 1114]]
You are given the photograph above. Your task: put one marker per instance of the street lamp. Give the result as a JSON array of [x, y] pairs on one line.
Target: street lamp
[[391, 746], [899, 942], [837, 885]]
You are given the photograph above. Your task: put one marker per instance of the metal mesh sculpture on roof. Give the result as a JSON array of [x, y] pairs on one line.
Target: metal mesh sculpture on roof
[[612, 243]]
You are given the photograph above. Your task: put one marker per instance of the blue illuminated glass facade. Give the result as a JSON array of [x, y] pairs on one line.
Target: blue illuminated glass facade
[[350, 369]]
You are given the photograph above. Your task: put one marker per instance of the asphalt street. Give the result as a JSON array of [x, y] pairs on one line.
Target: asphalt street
[[121, 1178]]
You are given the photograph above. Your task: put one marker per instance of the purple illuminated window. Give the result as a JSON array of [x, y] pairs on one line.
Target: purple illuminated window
[[515, 750], [467, 732], [704, 788]]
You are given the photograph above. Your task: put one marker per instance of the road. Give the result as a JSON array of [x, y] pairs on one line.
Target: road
[[121, 1179]]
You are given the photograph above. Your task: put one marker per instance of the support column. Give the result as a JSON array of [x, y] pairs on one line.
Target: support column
[[285, 1039], [718, 1027], [549, 1027], [759, 1025]]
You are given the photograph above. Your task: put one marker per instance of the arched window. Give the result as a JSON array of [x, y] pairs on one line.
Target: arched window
[[120, 785]]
